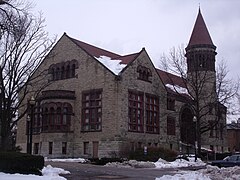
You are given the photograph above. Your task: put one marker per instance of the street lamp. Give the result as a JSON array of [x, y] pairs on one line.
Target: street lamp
[[30, 118], [195, 121]]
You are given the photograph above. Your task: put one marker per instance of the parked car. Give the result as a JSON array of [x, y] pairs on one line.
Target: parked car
[[229, 161]]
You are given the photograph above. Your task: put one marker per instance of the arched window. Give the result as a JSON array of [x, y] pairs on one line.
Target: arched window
[[53, 73], [56, 117], [45, 119], [73, 70], [144, 73], [68, 71], [59, 116], [63, 72], [65, 113], [58, 73], [52, 118]]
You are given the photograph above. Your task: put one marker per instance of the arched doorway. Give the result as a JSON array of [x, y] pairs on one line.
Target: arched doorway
[[187, 127]]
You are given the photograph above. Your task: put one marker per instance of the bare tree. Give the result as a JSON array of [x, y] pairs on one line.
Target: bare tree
[[205, 98], [23, 46]]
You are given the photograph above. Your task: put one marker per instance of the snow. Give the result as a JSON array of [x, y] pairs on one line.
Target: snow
[[179, 163], [177, 89], [49, 173], [112, 64], [209, 173], [78, 160]]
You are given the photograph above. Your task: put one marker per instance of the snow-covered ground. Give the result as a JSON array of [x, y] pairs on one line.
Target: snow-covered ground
[[48, 172], [209, 173]]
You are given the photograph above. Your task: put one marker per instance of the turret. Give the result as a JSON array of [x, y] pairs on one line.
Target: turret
[[200, 52]]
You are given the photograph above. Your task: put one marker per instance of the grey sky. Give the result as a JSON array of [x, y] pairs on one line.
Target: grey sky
[[126, 26]]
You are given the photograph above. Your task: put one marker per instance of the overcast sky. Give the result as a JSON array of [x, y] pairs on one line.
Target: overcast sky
[[126, 26]]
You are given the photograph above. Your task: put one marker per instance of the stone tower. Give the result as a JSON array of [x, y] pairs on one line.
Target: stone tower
[[201, 76], [200, 54]]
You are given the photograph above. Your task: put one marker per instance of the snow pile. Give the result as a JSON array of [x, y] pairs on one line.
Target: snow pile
[[78, 160], [132, 163], [179, 163], [193, 175], [210, 173], [230, 173], [177, 89], [114, 65], [161, 163], [49, 173]]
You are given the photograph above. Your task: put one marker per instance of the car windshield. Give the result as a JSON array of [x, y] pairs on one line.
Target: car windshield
[[233, 158]]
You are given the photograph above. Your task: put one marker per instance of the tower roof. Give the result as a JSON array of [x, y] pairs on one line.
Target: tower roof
[[200, 34]]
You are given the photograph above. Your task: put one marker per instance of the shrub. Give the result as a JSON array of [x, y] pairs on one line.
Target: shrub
[[16, 162], [153, 154], [104, 161]]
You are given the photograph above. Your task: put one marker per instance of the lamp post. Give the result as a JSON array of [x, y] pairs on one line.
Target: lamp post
[[195, 122], [30, 118]]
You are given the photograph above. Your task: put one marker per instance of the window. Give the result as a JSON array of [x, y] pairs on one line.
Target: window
[[50, 147], [64, 147], [152, 114], [221, 130], [64, 70], [92, 110], [171, 127], [214, 129], [36, 148], [135, 111], [56, 117], [171, 104], [144, 73], [37, 118], [85, 147]]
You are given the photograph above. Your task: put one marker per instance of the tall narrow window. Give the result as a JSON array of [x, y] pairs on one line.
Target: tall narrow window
[[63, 72], [59, 118], [92, 110], [64, 147], [50, 147], [36, 148], [52, 118], [68, 71], [58, 73], [73, 70], [135, 111], [171, 104], [152, 114], [171, 126], [85, 147]]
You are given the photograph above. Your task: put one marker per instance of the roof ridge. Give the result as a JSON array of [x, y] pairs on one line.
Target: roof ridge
[[88, 47]]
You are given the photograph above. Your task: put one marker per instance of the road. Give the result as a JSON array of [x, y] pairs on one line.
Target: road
[[95, 172]]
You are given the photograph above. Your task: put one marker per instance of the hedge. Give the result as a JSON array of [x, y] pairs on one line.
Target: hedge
[[16, 162], [153, 154]]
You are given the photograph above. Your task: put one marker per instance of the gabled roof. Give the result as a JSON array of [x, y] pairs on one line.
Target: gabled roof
[[200, 34], [106, 58], [172, 79]]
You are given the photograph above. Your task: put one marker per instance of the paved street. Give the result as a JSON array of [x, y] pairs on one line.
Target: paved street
[[95, 172]]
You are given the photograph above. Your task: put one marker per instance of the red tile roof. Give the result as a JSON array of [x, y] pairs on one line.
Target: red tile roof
[[200, 34], [97, 52], [172, 79], [166, 77], [94, 51]]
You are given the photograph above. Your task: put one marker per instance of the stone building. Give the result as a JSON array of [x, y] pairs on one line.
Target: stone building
[[100, 104]]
